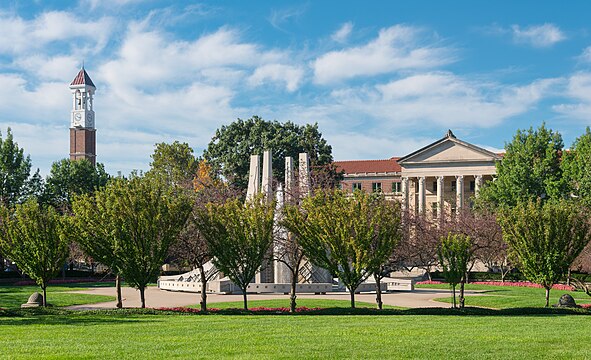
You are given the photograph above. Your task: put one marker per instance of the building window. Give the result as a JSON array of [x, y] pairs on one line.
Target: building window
[[376, 187], [453, 185], [472, 185], [356, 186], [434, 186], [434, 209], [396, 187]]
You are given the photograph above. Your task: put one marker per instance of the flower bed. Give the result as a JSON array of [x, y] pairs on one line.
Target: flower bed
[[261, 310], [507, 283]]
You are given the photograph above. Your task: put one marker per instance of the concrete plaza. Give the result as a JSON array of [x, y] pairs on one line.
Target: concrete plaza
[[155, 298]]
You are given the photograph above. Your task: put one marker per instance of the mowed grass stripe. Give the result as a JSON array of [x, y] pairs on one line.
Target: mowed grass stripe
[[156, 336]]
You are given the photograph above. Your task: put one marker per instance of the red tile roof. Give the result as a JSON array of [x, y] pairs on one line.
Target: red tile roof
[[82, 79], [368, 166]]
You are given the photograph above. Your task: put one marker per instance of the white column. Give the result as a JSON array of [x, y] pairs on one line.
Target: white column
[[267, 184], [422, 197], [478, 180], [289, 180], [405, 193], [253, 177], [440, 204], [304, 174], [459, 192]]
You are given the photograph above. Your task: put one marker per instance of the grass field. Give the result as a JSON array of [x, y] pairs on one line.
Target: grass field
[[502, 297], [11, 297], [91, 335]]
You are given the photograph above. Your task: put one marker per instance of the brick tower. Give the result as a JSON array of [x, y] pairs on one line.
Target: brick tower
[[82, 131]]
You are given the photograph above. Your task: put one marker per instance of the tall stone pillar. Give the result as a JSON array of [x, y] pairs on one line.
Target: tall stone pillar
[[254, 180], [304, 174], [319, 275], [405, 194], [422, 195], [267, 183], [289, 179], [281, 273], [478, 181], [459, 193], [440, 191]]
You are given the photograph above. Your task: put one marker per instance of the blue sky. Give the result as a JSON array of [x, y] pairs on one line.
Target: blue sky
[[382, 78]]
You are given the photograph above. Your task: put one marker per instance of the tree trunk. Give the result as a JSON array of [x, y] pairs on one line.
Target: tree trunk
[[461, 295], [378, 291], [244, 298], [429, 275], [292, 295], [547, 296], [1, 263], [143, 296], [118, 289], [203, 301], [453, 290], [568, 275], [44, 287], [352, 292]]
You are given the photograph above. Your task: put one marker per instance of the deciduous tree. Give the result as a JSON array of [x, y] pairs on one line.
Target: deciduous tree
[[141, 218], [238, 236], [454, 256], [576, 166], [530, 169], [175, 163], [68, 178], [36, 238], [545, 238], [230, 149], [351, 237]]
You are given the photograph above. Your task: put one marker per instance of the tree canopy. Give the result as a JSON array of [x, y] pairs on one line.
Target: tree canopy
[[229, 150], [530, 169], [545, 238], [576, 166], [238, 236], [350, 237], [138, 219], [175, 163], [68, 178], [15, 168], [35, 237]]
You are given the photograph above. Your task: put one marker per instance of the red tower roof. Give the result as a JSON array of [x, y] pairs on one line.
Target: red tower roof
[[82, 79]]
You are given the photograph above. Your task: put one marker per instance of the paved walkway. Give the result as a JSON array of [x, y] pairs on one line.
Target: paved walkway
[[156, 298]]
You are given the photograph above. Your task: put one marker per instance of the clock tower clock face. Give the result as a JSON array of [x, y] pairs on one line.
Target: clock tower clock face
[[77, 121]]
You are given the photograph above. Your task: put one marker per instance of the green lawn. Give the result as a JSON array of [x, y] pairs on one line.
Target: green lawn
[[128, 336], [502, 297], [284, 303], [11, 297]]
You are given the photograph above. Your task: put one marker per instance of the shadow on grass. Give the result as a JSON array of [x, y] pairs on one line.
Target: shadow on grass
[[51, 316], [122, 316]]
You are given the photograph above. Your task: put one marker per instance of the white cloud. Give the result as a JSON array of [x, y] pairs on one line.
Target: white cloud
[[579, 90], [22, 36], [279, 17], [396, 48], [544, 35], [290, 75], [342, 34], [586, 55], [443, 99]]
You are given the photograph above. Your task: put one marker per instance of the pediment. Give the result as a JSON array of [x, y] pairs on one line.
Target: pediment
[[448, 150]]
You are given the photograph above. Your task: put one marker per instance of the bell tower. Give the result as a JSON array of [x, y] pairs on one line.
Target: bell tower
[[82, 131]]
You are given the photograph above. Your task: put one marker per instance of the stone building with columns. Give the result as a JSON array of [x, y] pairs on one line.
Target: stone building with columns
[[446, 175]]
